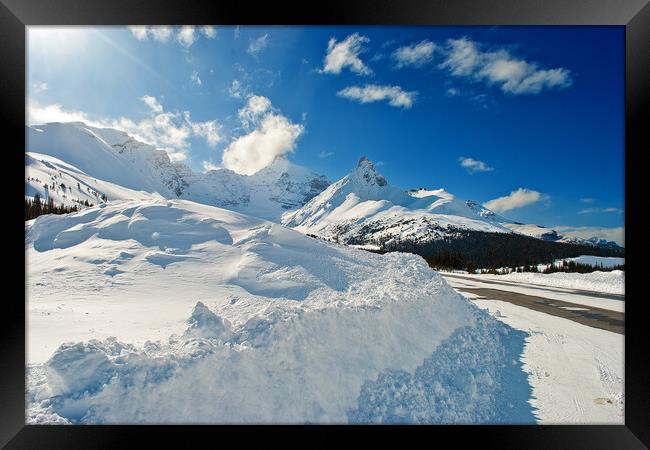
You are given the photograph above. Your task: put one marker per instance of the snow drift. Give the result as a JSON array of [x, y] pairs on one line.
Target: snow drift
[[203, 315]]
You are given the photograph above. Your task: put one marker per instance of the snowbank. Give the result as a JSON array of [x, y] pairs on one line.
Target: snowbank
[[610, 282], [576, 371], [203, 315]]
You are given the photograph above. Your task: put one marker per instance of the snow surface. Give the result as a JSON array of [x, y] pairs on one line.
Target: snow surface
[[576, 372], [203, 315], [612, 282]]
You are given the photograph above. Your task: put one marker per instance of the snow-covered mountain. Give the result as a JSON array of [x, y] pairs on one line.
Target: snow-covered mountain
[[115, 157], [362, 208], [549, 234]]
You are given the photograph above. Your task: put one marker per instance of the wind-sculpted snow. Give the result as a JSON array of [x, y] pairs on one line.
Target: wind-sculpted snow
[[247, 321]]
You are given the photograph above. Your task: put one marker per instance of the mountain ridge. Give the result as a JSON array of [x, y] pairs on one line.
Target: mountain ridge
[[361, 208]]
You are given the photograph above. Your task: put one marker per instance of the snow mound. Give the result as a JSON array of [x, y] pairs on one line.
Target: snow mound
[[252, 322]]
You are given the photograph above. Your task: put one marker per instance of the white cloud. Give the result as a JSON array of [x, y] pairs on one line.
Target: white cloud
[[452, 92], [157, 33], [209, 31], [516, 199], [323, 154], [346, 54], [209, 165], [40, 114], [235, 89], [186, 36], [195, 78], [256, 46], [236, 32], [616, 234], [415, 55], [170, 131], [40, 87], [253, 110], [161, 33], [272, 136], [152, 103], [588, 200], [600, 210], [464, 58], [141, 33], [209, 130], [369, 93], [473, 165]]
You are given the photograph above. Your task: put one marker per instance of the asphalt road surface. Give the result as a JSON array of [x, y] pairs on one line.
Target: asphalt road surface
[[587, 315]]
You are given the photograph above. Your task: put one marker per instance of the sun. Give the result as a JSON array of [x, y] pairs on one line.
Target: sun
[[57, 40]]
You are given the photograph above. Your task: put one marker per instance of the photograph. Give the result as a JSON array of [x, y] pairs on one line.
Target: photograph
[[325, 224]]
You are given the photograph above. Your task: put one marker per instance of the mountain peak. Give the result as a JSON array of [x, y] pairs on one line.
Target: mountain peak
[[366, 171], [364, 161]]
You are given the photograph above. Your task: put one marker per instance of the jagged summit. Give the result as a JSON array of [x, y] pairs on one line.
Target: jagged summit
[[366, 171]]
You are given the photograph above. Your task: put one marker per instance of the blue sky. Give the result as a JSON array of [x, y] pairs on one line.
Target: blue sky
[[528, 120]]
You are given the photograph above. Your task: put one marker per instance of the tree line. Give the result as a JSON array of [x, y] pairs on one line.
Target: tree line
[[37, 207], [471, 249]]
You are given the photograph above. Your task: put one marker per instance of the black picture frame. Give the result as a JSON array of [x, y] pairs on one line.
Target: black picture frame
[[634, 15]]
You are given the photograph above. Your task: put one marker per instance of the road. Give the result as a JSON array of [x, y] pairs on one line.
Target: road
[[550, 300]]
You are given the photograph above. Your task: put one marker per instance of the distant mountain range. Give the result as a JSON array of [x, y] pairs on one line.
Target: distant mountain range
[[363, 209], [114, 157], [79, 163]]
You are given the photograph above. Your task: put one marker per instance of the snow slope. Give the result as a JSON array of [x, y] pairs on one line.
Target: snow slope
[[362, 208], [78, 187], [199, 314], [115, 157]]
